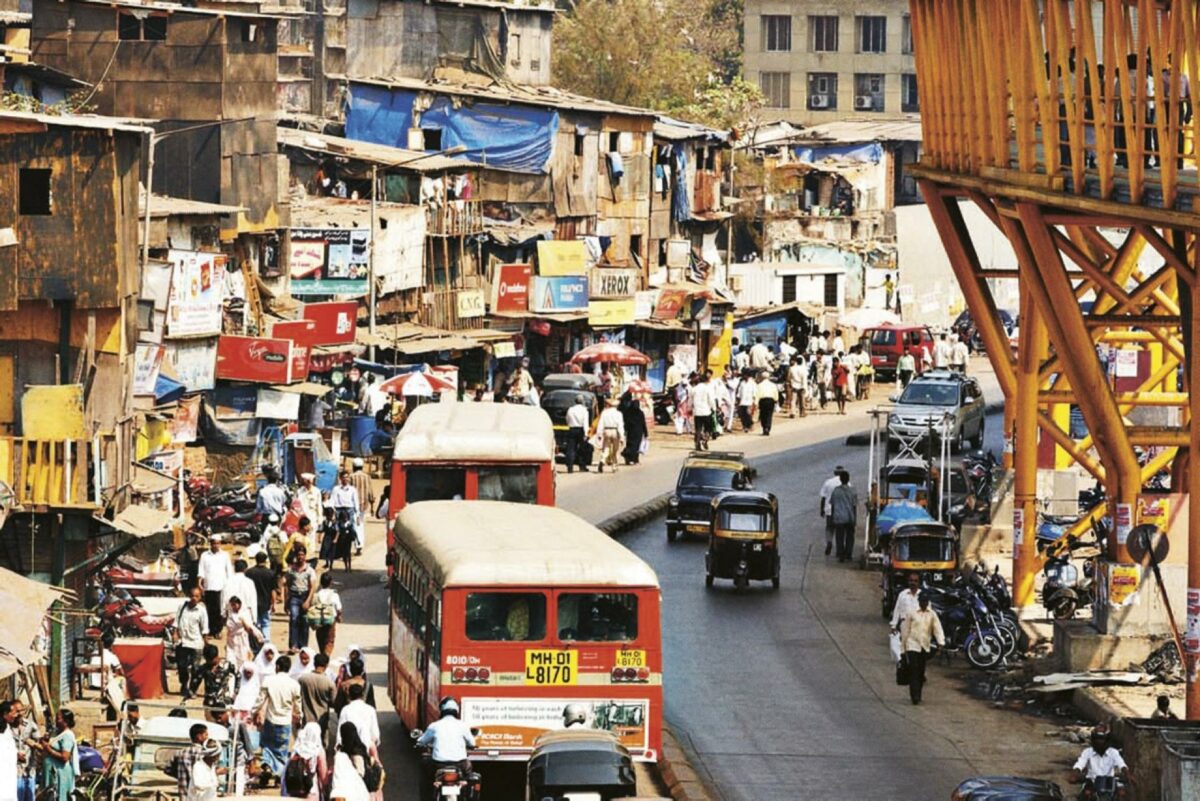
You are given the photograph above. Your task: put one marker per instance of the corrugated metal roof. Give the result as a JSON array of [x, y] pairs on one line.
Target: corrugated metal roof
[[165, 206], [337, 212], [383, 155], [504, 92], [93, 121], [906, 130], [265, 12], [680, 130], [509, 5]]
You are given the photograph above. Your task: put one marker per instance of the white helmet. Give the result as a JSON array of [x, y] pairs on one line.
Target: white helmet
[[573, 714], [448, 707]]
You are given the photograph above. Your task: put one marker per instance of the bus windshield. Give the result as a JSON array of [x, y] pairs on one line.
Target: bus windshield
[[435, 484], [503, 483]]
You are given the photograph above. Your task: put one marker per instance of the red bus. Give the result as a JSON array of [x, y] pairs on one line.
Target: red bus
[[473, 451], [517, 611]]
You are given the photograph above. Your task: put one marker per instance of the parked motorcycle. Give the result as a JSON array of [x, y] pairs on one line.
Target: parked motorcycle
[[965, 621], [120, 615], [1064, 591], [664, 408]]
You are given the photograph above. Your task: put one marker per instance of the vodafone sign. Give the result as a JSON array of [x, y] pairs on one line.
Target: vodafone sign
[[510, 290]]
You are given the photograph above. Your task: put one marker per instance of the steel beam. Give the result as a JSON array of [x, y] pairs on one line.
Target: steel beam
[[1031, 350]]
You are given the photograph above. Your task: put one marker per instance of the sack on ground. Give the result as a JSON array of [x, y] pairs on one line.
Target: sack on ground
[[902, 674]]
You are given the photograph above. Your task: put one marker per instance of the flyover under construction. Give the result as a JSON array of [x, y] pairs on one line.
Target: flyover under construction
[[1069, 124]]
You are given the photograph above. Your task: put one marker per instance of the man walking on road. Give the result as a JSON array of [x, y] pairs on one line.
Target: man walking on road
[[703, 404], [191, 626], [767, 395], [214, 572], [760, 356], [578, 420], [960, 354], [917, 637], [906, 602], [797, 378], [906, 365], [827, 489], [278, 709], [843, 507], [611, 427], [941, 354], [366, 502]]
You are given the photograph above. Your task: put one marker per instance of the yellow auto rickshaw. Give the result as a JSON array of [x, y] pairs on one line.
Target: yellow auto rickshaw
[[926, 547], [743, 542]]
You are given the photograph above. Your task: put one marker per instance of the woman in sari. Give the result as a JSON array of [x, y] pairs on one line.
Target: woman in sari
[[60, 763]]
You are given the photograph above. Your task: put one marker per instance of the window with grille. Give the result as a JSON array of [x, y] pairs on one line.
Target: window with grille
[[906, 39], [909, 100], [868, 92], [823, 34], [831, 290], [872, 34], [776, 33], [789, 288], [776, 88], [822, 91]]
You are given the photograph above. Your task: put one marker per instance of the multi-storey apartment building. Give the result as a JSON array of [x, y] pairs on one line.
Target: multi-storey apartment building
[[821, 60]]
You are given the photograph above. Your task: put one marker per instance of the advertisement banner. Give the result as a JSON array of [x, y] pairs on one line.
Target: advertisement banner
[[147, 361], [275, 405], [185, 425], [670, 304], [194, 363], [565, 257], [1191, 634], [644, 303], [611, 312], [604, 282], [266, 361], [470, 303], [329, 261], [507, 723], [510, 288], [300, 362], [1018, 525], [1123, 581], [558, 294], [233, 403], [301, 332], [197, 292], [684, 357], [336, 321]]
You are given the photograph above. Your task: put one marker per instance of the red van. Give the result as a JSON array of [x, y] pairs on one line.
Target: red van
[[888, 342]]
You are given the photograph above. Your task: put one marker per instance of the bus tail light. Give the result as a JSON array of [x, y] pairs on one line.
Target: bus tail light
[[629, 674], [470, 675]]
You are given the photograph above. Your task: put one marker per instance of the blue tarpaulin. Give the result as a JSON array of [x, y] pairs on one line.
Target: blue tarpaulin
[[508, 137], [167, 390], [872, 153], [680, 210]]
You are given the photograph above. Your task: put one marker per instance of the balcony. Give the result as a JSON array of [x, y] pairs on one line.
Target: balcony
[[1099, 130], [454, 218]]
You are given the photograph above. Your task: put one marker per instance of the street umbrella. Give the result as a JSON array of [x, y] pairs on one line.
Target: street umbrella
[[610, 352], [417, 384]]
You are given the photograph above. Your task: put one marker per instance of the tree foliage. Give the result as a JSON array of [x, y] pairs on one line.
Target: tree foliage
[[680, 56]]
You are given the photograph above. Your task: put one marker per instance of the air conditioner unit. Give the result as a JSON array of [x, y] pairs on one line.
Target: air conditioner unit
[[862, 103], [819, 101]]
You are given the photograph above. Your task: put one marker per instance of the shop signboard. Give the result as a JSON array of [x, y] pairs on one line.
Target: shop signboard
[[301, 332], [194, 362], [510, 289], [194, 304], [670, 304], [329, 261], [562, 257], [644, 303], [147, 361], [258, 359], [300, 362], [336, 321], [611, 312], [610, 282], [470, 303], [558, 293], [272, 404]]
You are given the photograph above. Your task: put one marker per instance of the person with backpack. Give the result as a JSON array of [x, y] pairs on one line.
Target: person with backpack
[[306, 771], [357, 774]]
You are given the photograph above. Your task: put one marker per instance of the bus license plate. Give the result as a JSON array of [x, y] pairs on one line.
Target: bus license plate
[[631, 659], [549, 667]]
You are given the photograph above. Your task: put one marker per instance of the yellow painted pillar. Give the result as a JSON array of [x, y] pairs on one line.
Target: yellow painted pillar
[[1025, 447], [1061, 414]]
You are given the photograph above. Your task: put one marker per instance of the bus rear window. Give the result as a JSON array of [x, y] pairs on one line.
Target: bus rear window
[[598, 617], [506, 616], [435, 484], [515, 484]]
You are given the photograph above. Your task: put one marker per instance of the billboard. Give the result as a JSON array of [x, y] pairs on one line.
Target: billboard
[[197, 292], [258, 359], [558, 293], [510, 289], [336, 321], [515, 722], [562, 257], [329, 261]]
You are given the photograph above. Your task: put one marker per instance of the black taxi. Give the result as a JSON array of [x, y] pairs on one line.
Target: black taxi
[[704, 476]]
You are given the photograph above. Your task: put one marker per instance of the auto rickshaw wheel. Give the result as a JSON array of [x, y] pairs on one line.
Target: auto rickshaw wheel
[[775, 582], [672, 533]]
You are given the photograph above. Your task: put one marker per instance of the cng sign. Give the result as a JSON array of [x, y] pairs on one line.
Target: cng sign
[[510, 289]]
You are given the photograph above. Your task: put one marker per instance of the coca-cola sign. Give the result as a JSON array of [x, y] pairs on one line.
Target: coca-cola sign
[[511, 288], [258, 359]]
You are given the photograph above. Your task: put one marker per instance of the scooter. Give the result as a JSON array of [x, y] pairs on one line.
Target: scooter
[[1064, 591]]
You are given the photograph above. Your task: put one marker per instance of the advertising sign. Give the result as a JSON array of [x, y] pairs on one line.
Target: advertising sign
[[565, 257], [1124, 520], [147, 361], [301, 332], [1123, 582], [506, 723], [185, 424], [470, 303], [336, 321], [194, 362], [300, 362], [613, 283], [670, 304], [1191, 634], [644, 303], [197, 291], [275, 405], [558, 294], [266, 361], [329, 261], [510, 289], [1018, 525], [611, 312]]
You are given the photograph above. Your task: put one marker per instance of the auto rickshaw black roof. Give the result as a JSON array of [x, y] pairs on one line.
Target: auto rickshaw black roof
[[924, 528], [746, 498], [579, 757]]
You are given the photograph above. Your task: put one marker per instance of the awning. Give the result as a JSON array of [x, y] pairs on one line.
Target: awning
[[139, 521], [554, 317], [24, 602], [411, 339], [148, 481], [305, 388], [332, 350]]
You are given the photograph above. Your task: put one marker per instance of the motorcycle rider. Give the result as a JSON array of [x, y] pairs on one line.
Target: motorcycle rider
[[447, 739], [1100, 760]]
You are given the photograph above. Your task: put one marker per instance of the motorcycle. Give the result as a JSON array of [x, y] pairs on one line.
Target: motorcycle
[[964, 615], [980, 467], [450, 781], [221, 518], [1064, 591], [1101, 788], [1052, 528], [664, 408], [120, 615]]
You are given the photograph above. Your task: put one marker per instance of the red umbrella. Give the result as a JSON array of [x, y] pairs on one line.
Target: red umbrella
[[423, 384], [610, 352]]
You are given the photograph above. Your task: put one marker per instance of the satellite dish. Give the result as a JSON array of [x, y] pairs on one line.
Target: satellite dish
[[1147, 544]]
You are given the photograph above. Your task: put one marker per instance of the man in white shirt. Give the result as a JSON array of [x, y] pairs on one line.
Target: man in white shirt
[[8, 753], [579, 417], [1100, 760], [674, 375], [906, 602], [741, 361], [311, 505], [766, 395], [277, 709], [838, 346], [448, 737], [272, 497], [760, 356], [941, 353], [703, 404], [214, 573], [242, 587], [362, 715], [960, 354], [745, 402], [191, 626], [611, 427], [786, 351], [827, 489], [797, 386], [344, 500]]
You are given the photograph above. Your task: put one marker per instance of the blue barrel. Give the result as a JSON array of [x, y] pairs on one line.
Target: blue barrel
[[362, 429]]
